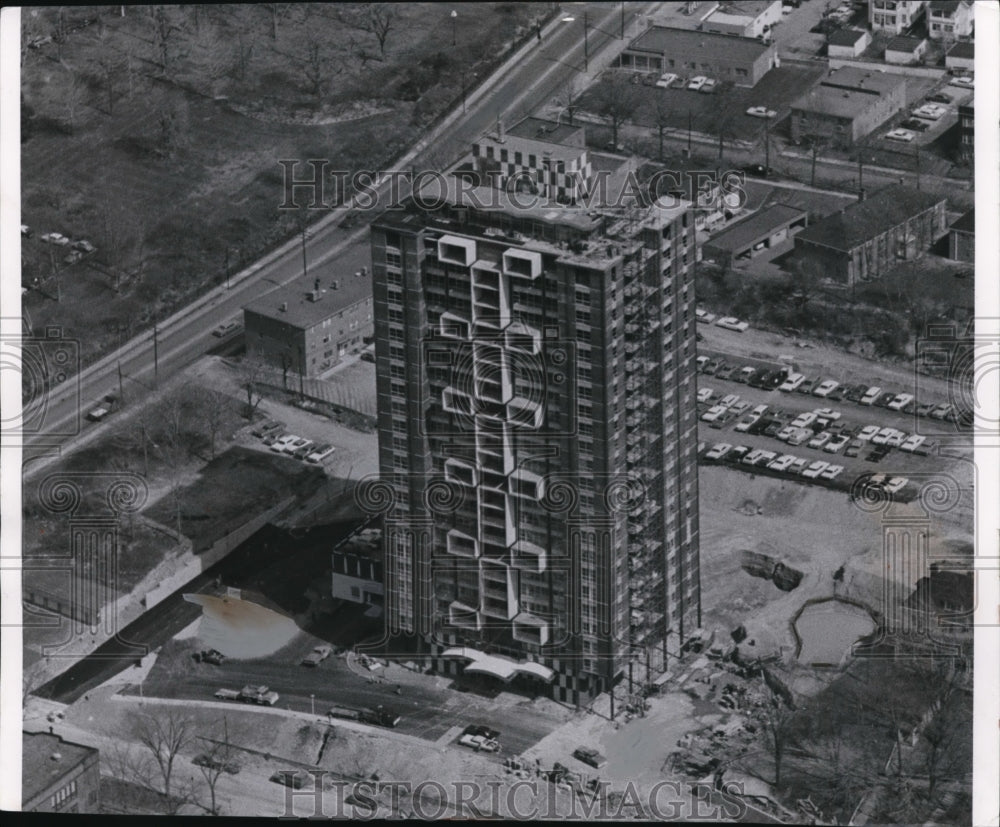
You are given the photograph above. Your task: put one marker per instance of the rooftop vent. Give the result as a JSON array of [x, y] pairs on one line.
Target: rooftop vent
[[55, 756], [283, 307], [314, 295], [335, 285]]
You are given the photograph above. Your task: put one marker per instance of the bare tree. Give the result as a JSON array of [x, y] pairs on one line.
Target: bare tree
[[210, 407], [219, 757], [253, 373], [74, 98], [242, 26], [569, 96], [276, 11], [166, 34], [162, 735], [375, 19], [723, 114], [661, 116], [774, 716], [122, 240], [214, 63], [615, 99], [317, 63]]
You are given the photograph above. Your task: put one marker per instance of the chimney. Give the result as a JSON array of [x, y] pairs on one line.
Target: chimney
[[500, 133], [861, 194], [335, 285], [283, 307], [316, 285], [314, 295]]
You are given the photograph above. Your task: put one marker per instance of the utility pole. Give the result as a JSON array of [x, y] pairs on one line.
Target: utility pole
[[767, 145], [227, 266], [156, 356], [918, 167], [623, 19], [305, 271], [586, 42], [689, 133], [121, 389]]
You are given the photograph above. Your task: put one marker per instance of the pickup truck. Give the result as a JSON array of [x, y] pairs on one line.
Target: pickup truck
[[103, 408]]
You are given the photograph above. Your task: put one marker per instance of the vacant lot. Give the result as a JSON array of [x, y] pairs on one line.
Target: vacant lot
[[156, 134]]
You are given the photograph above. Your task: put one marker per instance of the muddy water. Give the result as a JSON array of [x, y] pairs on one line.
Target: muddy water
[[239, 628], [828, 629]]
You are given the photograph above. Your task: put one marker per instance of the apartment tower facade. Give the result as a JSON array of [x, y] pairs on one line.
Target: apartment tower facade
[[538, 432]]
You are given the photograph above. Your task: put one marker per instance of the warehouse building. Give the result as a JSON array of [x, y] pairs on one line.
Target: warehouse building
[[848, 104], [749, 19], [847, 42], [59, 776], [724, 57]]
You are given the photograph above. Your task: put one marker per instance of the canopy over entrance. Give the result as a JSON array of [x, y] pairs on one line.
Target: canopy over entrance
[[497, 665]]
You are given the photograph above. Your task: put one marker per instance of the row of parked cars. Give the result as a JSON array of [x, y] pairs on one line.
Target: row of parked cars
[[726, 322], [77, 249], [927, 114], [280, 441], [788, 381]]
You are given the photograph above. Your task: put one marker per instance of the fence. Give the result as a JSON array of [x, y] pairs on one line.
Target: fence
[[323, 390]]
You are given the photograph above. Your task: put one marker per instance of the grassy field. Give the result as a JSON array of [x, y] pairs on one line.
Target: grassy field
[[156, 135]]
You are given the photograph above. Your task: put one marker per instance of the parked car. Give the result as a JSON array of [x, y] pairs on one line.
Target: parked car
[[696, 82], [292, 446], [820, 439], [792, 382], [895, 439], [227, 329], [912, 443], [761, 112], [939, 97], [835, 444], [666, 79], [704, 394], [915, 124], [808, 385], [711, 367], [84, 246], [269, 426], [903, 135], [304, 450], [854, 447], [281, 443], [719, 450], [590, 756], [901, 401], [103, 408], [832, 472], [883, 435], [213, 763], [713, 413], [26, 231], [729, 400], [320, 453], [295, 780], [737, 454], [827, 413], [782, 463], [757, 170], [870, 395], [895, 484], [317, 655], [930, 111], [271, 438], [963, 82], [826, 388], [804, 420], [815, 469], [731, 323], [55, 238], [744, 424], [709, 85]]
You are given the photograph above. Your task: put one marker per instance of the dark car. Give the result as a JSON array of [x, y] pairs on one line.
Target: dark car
[[590, 756], [481, 731], [808, 385], [710, 367], [212, 656], [853, 393], [726, 371], [289, 779], [884, 400], [925, 409], [215, 764], [772, 429], [940, 97], [836, 394], [266, 427], [915, 124], [757, 170]]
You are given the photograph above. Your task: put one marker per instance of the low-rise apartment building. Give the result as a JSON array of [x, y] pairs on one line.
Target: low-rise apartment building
[[748, 19], [949, 20], [895, 16], [59, 776]]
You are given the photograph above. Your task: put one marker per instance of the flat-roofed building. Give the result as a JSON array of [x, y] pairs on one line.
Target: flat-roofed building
[[848, 104], [847, 42], [742, 60], [744, 19], [59, 776], [755, 234], [962, 238], [904, 51], [961, 58], [869, 238], [310, 324], [966, 133]]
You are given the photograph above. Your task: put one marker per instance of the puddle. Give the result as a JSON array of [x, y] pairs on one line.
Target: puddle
[[241, 629], [827, 630]]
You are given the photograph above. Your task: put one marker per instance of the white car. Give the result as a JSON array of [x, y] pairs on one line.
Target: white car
[[804, 420], [732, 323], [963, 82], [760, 410], [782, 463], [294, 445], [895, 439], [868, 433], [744, 424], [321, 453], [705, 394], [929, 111], [827, 413], [799, 435], [739, 408], [911, 443], [798, 466], [713, 413], [55, 238], [815, 469], [903, 135], [882, 436], [895, 484], [666, 80], [279, 445], [697, 82], [701, 361], [835, 444], [832, 472], [870, 395], [901, 401], [719, 450], [761, 112], [705, 317], [826, 388], [820, 439], [752, 457], [786, 433], [792, 382], [709, 85], [729, 400]]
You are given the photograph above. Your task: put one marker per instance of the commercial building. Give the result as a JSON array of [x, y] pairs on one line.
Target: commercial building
[[357, 575], [847, 42], [961, 58], [59, 776], [539, 156], [868, 238], [962, 238], [895, 16], [755, 235], [949, 20], [723, 57], [538, 433], [903, 51], [746, 19], [306, 327], [848, 104]]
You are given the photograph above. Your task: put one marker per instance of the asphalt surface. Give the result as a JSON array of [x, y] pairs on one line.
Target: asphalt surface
[[329, 249]]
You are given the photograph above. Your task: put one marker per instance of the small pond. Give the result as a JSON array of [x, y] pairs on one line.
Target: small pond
[[828, 629]]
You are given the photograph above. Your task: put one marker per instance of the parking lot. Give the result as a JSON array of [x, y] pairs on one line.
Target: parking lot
[[747, 422]]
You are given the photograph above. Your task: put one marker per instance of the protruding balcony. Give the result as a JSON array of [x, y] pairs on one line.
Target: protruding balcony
[[529, 557], [454, 327], [529, 628], [461, 545], [461, 473], [463, 616], [522, 264], [455, 250], [526, 484]]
